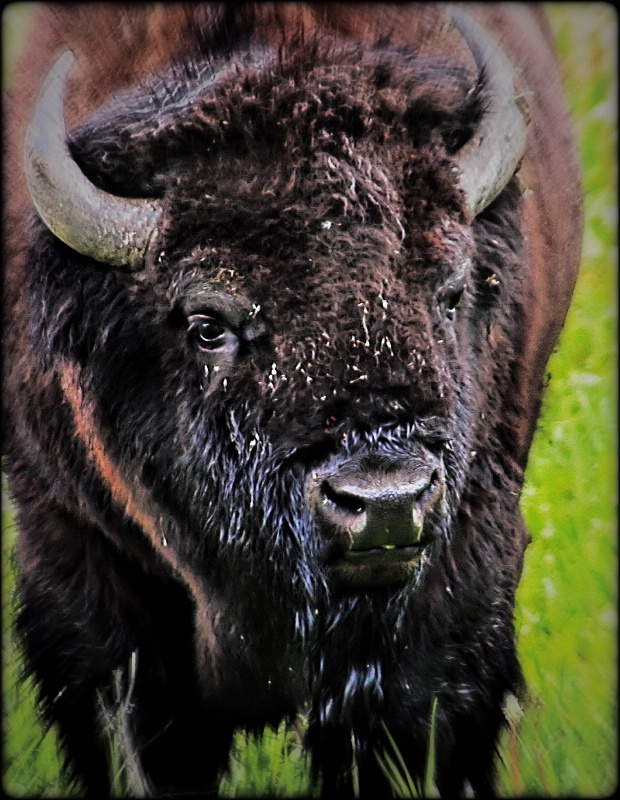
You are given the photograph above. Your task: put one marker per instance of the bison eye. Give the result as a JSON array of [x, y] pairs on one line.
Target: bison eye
[[452, 300], [452, 293], [210, 334]]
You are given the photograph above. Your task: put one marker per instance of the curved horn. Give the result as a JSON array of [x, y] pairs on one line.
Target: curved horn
[[111, 229], [489, 161]]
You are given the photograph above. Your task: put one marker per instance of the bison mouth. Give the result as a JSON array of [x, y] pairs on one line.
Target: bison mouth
[[374, 567]]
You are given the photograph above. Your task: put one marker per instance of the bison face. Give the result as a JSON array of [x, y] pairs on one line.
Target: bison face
[[329, 335], [295, 397]]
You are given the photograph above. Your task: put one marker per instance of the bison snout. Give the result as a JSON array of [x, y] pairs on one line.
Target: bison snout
[[377, 521]]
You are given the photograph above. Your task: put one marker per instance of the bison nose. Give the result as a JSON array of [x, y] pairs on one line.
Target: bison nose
[[379, 509]]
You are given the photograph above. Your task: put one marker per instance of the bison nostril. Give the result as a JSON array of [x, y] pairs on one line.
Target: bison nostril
[[343, 501]]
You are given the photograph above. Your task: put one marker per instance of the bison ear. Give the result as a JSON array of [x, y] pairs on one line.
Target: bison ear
[[110, 229], [491, 157]]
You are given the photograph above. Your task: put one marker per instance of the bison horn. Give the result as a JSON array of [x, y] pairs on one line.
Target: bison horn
[[113, 230], [491, 158]]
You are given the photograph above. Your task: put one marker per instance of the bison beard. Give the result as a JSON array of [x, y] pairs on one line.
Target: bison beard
[[267, 424]]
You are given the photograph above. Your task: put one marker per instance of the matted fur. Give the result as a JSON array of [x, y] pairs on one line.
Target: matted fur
[[307, 161]]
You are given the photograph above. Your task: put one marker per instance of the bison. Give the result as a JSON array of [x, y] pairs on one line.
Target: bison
[[281, 285]]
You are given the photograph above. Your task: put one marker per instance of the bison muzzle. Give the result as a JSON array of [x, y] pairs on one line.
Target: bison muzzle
[[377, 514]]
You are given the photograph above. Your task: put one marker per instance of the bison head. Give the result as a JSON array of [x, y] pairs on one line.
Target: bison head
[[290, 369]]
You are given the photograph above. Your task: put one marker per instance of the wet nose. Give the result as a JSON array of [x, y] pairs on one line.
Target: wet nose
[[379, 508]]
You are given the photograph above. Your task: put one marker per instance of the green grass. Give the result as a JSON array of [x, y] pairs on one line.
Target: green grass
[[393, 765], [272, 766], [566, 741], [567, 601]]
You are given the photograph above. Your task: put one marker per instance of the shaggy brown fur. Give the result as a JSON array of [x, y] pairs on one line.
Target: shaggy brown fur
[[307, 162]]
